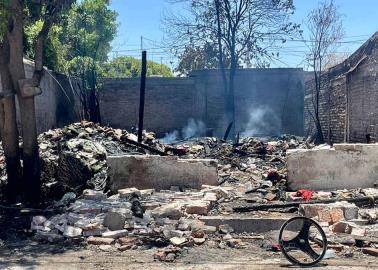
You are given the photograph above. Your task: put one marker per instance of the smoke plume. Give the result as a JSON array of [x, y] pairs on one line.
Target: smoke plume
[[262, 121]]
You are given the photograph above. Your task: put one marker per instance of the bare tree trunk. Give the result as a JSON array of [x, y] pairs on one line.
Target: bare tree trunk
[[227, 114], [31, 162], [9, 130]]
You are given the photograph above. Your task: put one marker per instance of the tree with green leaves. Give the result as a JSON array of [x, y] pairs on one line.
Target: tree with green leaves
[[127, 66], [89, 30], [14, 82], [243, 30]]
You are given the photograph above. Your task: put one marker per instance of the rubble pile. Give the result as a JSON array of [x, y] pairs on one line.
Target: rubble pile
[[74, 157], [347, 227], [254, 166], [133, 218]]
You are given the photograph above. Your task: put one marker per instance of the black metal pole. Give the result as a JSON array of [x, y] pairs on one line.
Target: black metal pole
[[142, 95]]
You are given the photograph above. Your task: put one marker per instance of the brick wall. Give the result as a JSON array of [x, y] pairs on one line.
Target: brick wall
[[349, 97], [170, 102]]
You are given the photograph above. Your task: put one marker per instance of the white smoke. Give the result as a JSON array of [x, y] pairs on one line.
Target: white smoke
[[194, 128], [262, 121], [170, 137]]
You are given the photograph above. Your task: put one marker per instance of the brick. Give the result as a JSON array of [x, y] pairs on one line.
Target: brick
[[100, 240], [370, 251], [115, 234]]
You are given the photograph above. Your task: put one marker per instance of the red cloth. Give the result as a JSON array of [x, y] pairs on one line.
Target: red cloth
[[306, 194]]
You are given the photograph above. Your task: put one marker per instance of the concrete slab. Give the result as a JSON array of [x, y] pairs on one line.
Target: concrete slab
[[344, 166], [242, 224], [147, 171]]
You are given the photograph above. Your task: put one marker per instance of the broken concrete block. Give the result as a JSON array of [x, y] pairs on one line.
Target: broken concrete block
[[48, 236], [38, 220], [72, 232], [115, 234], [100, 240], [199, 241], [160, 173], [226, 229], [177, 241], [127, 241], [171, 210], [128, 193], [95, 232], [197, 207], [90, 194], [346, 166], [115, 218], [332, 213]]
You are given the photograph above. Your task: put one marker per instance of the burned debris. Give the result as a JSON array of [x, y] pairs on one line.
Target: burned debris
[[248, 197]]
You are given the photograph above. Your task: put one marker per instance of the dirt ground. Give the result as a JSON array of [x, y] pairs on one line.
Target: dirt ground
[[30, 255]]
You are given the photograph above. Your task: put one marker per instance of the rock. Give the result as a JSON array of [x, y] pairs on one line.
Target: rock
[[234, 243], [128, 241], [38, 220], [115, 234], [171, 210], [115, 218], [178, 241], [100, 240], [72, 232], [227, 237], [125, 247], [199, 241], [358, 231], [225, 228], [370, 251], [342, 227], [105, 247], [330, 253], [90, 194], [48, 236]]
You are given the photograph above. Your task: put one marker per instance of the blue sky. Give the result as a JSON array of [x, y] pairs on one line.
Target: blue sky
[[143, 18]]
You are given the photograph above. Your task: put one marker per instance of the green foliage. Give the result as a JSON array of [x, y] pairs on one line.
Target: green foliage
[[197, 58], [4, 7], [84, 32], [54, 52], [126, 66], [90, 28]]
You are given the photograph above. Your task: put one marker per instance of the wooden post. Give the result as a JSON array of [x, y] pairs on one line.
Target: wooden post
[[142, 95]]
